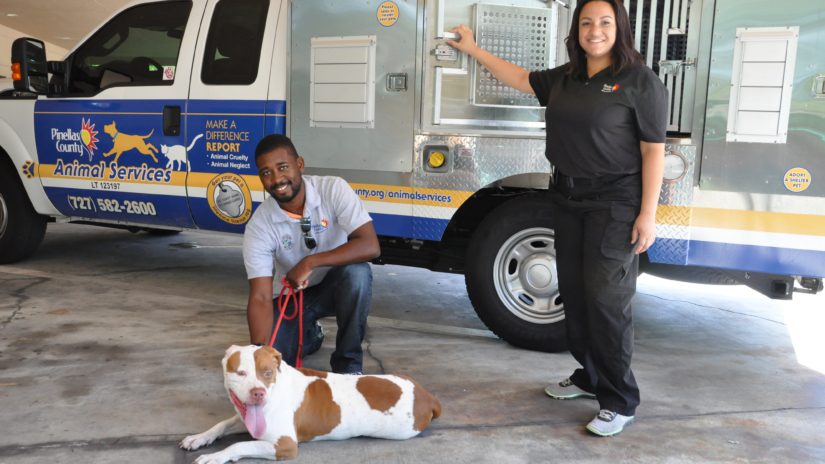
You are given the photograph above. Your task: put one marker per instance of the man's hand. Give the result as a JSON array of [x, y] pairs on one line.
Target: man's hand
[[298, 276], [361, 246]]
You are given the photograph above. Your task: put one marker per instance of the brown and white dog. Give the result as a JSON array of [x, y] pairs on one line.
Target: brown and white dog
[[281, 406]]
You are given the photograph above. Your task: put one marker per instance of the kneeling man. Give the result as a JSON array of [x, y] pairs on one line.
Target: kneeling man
[[315, 231]]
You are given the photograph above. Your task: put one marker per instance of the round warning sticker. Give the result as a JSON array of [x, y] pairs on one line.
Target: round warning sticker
[[387, 14], [797, 179], [229, 198]]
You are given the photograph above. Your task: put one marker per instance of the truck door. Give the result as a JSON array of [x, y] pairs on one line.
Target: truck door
[[228, 111], [111, 146]]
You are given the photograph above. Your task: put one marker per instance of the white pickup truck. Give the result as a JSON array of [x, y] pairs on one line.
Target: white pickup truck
[[151, 122]]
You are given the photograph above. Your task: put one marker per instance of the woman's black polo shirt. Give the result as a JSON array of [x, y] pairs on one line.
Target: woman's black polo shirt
[[594, 125]]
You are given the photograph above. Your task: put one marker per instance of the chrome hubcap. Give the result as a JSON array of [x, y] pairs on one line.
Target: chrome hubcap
[[526, 279]]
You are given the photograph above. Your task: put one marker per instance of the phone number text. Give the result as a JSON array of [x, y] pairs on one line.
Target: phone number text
[[110, 205]]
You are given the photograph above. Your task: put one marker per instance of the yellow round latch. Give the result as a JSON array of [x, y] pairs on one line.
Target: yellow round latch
[[436, 159]]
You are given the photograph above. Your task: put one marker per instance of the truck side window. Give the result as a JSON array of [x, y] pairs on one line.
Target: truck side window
[[233, 46], [134, 48]]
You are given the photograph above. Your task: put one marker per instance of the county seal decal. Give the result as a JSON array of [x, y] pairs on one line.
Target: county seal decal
[[229, 198]]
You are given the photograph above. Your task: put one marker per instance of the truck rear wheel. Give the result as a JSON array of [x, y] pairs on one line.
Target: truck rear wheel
[[21, 228], [511, 275]]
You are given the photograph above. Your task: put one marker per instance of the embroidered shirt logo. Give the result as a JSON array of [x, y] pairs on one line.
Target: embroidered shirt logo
[[286, 242], [607, 88], [322, 226]]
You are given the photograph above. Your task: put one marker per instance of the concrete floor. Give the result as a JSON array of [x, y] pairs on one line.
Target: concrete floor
[[110, 347]]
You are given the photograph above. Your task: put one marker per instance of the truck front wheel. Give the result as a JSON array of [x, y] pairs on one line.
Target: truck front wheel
[[21, 228], [511, 275]]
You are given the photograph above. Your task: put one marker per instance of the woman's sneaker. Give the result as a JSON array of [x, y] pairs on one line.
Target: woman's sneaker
[[608, 423], [566, 390]]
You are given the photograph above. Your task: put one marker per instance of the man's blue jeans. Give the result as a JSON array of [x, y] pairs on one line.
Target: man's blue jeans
[[345, 293]]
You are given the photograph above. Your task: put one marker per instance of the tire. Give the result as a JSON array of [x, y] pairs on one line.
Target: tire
[[21, 228], [511, 275]]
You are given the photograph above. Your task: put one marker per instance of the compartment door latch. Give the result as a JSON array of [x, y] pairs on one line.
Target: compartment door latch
[[397, 82]]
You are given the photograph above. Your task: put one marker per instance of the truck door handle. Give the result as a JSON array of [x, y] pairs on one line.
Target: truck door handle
[[171, 120]]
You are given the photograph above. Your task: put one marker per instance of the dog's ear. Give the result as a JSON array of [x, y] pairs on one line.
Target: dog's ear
[[230, 350], [228, 353], [276, 355], [278, 359]]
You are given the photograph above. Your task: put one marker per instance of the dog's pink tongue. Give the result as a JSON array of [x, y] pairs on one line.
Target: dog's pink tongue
[[254, 420]]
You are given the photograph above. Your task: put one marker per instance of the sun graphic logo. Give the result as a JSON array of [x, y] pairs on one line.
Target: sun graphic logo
[[88, 136]]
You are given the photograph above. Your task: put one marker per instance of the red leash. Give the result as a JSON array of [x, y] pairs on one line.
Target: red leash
[[288, 292]]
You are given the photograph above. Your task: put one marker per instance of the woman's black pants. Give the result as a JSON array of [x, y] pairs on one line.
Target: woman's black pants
[[597, 270]]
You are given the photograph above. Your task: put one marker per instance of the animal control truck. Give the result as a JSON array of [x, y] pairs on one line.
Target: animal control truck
[[151, 121]]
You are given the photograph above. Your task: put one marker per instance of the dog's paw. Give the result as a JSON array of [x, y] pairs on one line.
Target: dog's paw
[[214, 458], [193, 442]]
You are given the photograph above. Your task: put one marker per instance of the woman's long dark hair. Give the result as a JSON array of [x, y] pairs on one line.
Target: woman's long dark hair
[[623, 53]]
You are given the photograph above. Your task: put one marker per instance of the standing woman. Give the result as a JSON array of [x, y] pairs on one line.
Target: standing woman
[[606, 123]]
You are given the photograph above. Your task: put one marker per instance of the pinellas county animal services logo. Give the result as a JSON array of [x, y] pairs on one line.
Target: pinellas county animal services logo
[[607, 88], [229, 198], [82, 142]]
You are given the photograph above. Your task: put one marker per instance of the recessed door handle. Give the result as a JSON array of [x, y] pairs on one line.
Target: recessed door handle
[[171, 120]]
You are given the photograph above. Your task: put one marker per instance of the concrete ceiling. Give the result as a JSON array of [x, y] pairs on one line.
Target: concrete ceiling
[[60, 22]]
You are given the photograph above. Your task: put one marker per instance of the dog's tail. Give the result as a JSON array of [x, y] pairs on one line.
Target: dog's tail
[[436, 407], [426, 406], [149, 134]]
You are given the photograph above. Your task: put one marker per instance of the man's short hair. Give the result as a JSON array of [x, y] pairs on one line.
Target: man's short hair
[[273, 142]]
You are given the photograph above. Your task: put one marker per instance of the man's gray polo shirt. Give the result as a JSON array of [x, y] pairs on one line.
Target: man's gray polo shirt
[[273, 241]]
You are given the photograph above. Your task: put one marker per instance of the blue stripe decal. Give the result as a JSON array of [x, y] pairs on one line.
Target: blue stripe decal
[[276, 107], [770, 260], [393, 225], [276, 117], [429, 228], [669, 251], [275, 125]]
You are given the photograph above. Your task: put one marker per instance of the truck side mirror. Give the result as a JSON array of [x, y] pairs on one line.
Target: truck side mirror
[[29, 68], [59, 82]]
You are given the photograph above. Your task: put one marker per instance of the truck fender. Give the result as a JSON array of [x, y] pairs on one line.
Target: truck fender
[[487, 198], [13, 148]]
